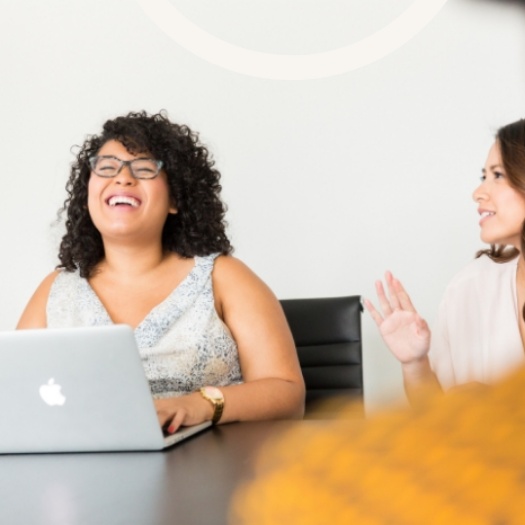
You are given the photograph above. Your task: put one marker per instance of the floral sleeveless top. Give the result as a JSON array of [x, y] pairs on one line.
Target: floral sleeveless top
[[183, 343]]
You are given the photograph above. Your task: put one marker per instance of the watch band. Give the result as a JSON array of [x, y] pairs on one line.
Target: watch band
[[216, 398]]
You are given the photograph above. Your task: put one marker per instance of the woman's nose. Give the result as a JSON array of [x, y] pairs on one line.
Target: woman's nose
[[124, 176], [479, 194]]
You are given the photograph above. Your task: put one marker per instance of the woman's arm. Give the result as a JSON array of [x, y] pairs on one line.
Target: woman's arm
[[273, 383], [407, 336], [34, 314]]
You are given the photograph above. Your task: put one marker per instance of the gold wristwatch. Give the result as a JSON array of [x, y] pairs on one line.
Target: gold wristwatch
[[216, 398]]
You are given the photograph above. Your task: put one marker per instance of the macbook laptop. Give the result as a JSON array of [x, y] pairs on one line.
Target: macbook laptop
[[77, 390]]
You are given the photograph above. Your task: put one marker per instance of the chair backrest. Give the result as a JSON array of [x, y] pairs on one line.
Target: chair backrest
[[327, 335]]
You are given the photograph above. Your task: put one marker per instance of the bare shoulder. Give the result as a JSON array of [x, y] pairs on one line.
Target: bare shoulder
[[227, 264], [34, 314], [235, 285], [229, 271]]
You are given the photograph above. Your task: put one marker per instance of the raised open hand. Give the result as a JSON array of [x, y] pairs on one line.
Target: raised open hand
[[404, 331]]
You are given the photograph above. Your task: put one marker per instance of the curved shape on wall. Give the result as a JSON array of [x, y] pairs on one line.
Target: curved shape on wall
[[291, 67]]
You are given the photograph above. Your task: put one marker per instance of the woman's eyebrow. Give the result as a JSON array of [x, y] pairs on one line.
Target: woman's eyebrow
[[492, 168]]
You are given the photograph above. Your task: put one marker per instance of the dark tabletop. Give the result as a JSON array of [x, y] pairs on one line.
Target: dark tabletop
[[191, 483]]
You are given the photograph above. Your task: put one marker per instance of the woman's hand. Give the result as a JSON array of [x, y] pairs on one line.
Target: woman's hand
[[188, 410], [405, 333]]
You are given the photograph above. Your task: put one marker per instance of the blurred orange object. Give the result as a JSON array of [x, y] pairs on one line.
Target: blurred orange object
[[457, 458]]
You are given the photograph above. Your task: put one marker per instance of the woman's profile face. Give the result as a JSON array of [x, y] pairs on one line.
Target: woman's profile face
[[501, 207]]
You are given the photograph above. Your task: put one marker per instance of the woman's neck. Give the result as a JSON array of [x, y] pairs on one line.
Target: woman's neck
[[132, 262]]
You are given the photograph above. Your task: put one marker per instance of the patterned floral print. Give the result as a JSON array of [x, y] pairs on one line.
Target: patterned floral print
[[183, 343]]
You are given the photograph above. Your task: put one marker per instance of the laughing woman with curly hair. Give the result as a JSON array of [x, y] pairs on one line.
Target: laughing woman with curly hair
[[145, 245]]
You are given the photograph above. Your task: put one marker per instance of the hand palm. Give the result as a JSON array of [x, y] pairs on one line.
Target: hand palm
[[406, 334]]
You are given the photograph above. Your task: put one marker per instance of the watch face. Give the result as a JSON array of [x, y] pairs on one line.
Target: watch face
[[213, 392]]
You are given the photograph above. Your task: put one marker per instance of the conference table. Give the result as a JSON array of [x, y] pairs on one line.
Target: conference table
[[190, 483]]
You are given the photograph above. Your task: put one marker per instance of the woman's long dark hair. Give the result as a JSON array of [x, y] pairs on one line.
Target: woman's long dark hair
[[197, 229], [511, 142]]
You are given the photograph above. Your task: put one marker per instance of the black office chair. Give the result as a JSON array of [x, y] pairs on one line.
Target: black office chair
[[327, 335]]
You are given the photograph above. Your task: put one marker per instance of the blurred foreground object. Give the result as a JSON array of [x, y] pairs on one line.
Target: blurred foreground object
[[458, 458]]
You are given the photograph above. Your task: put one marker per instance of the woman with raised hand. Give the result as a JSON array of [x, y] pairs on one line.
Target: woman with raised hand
[[145, 245], [480, 332]]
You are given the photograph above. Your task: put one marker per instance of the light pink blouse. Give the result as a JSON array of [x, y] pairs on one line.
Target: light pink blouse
[[476, 336]]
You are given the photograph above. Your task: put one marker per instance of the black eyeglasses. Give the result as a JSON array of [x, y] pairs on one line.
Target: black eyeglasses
[[108, 166]]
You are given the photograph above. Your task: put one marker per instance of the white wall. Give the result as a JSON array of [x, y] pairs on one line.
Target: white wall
[[329, 181]]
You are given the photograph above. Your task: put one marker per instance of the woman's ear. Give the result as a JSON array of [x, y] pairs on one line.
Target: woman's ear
[[173, 209]]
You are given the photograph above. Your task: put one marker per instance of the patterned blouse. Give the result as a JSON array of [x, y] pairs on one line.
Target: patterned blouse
[[183, 343]]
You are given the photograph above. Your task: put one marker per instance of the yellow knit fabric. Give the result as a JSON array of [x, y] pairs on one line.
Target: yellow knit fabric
[[459, 458]]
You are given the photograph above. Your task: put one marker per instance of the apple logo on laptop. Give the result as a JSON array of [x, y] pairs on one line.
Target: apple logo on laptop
[[51, 394]]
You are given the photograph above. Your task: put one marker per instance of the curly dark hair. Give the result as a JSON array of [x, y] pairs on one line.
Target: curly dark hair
[[198, 229], [511, 142]]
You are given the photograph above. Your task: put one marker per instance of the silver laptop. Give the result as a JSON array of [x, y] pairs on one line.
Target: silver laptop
[[77, 390]]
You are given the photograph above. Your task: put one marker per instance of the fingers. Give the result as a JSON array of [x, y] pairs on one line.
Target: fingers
[[186, 410], [396, 299], [402, 297], [171, 421], [391, 284], [384, 302], [164, 419], [170, 417], [376, 316], [177, 420], [162, 414]]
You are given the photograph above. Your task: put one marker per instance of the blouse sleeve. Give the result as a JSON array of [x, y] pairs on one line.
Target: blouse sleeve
[[440, 355]]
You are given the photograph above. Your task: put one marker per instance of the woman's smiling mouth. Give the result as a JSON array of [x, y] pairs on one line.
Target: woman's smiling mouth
[[125, 200], [485, 214]]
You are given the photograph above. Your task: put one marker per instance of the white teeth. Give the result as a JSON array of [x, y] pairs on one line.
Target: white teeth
[[486, 214], [122, 199]]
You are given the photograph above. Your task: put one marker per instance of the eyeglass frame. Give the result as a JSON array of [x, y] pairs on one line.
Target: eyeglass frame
[[123, 163]]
